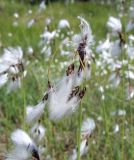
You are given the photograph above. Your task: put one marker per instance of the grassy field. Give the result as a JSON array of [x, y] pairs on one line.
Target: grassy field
[[104, 143]]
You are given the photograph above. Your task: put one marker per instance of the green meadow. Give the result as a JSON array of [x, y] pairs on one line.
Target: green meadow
[[62, 136]]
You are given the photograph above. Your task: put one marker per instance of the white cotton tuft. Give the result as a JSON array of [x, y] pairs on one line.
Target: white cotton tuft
[[12, 56], [63, 23], [83, 150], [84, 73], [79, 78], [29, 109], [64, 100], [86, 31], [37, 132], [54, 105], [115, 49], [130, 52], [116, 128], [131, 11], [3, 67], [130, 26], [87, 127], [103, 46], [129, 74], [14, 84], [13, 70], [121, 112], [35, 113], [21, 138], [71, 106], [19, 153], [76, 38], [58, 99], [16, 15], [24, 147], [42, 7], [65, 87], [48, 21], [65, 53], [84, 147], [30, 23], [114, 24], [129, 92], [48, 36], [30, 50]]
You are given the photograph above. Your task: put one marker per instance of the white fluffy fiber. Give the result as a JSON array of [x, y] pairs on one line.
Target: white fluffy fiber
[[35, 112], [21, 138], [58, 105], [19, 153], [37, 132], [114, 24], [86, 31], [12, 56], [87, 127]]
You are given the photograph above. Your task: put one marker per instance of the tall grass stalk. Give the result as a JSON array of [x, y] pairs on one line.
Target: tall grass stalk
[[24, 103], [79, 131], [123, 105]]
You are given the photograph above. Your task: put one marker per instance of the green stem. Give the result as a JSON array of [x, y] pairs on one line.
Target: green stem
[[79, 131], [24, 102], [123, 105]]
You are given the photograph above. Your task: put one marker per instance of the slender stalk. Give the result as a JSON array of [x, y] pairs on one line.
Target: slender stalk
[[79, 130], [123, 105], [24, 102]]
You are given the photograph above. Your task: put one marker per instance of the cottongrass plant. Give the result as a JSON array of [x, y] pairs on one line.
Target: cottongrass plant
[[62, 99], [87, 128], [24, 147], [68, 89], [12, 68]]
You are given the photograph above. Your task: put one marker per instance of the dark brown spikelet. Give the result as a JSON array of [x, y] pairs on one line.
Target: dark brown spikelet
[[45, 98], [87, 143], [122, 38], [35, 154], [70, 69], [81, 51], [74, 92], [14, 78], [20, 67], [49, 84], [82, 93], [38, 131]]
